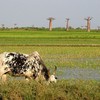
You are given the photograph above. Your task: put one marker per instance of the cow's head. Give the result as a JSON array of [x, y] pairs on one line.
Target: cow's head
[[45, 75], [53, 78], [38, 70]]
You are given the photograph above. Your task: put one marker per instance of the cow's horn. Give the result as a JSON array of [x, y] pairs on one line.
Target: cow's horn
[[55, 70]]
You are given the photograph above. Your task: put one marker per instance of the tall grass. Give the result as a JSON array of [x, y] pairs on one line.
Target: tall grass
[[63, 90]]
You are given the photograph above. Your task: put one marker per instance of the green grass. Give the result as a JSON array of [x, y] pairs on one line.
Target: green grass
[[53, 46], [62, 56], [62, 90], [48, 38]]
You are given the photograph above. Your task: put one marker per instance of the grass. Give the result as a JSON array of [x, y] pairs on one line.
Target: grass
[[60, 48], [63, 90], [62, 56], [48, 38], [56, 47]]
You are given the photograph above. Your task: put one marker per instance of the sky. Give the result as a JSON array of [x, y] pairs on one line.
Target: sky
[[27, 13]]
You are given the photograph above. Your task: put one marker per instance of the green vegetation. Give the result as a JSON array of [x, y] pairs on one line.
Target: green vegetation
[[63, 90], [60, 48], [62, 56], [48, 38]]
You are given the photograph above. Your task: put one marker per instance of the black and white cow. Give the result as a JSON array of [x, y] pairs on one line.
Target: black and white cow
[[31, 66]]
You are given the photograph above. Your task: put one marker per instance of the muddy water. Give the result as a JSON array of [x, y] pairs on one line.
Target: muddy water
[[78, 73]]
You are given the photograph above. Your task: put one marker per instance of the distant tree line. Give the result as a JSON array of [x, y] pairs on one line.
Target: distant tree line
[[71, 29], [67, 28]]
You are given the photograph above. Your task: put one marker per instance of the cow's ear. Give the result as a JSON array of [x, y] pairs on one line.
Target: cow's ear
[[55, 70]]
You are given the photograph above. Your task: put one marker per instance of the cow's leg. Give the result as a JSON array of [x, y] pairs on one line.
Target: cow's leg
[[28, 75], [28, 78], [4, 77], [3, 71]]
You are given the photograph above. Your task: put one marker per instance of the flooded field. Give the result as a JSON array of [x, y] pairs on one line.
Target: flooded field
[[78, 73]]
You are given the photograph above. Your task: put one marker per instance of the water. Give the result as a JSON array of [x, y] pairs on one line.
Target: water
[[75, 73], [78, 73]]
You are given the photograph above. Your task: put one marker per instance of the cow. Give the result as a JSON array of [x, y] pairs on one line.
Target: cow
[[31, 66]]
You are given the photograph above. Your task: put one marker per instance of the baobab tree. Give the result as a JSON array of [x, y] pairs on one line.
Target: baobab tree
[[67, 24], [50, 23], [88, 23]]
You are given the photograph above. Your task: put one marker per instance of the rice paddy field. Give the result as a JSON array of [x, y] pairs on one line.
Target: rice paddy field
[[57, 48], [48, 38]]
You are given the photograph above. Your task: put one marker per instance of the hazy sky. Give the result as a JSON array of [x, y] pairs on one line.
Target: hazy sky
[[36, 12]]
